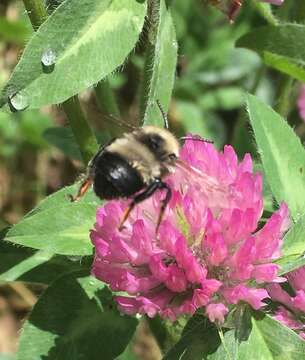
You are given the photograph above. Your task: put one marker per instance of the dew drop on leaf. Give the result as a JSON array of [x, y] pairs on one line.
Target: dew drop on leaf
[[74, 258], [48, 60], [175, 44], [18, 102]]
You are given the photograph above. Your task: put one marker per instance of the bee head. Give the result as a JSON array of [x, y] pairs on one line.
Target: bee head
[[161, 142]]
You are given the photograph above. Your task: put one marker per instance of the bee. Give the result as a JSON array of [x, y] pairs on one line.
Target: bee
[[134, 166]]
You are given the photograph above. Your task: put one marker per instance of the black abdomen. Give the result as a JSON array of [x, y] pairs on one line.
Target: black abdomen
[[114, 177]]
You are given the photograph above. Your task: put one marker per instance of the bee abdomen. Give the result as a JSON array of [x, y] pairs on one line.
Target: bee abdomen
[[114, 177]]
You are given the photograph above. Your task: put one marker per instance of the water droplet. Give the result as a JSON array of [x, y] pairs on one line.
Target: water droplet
[[18, 102], [91, 282], [74, 258], [48, 60]]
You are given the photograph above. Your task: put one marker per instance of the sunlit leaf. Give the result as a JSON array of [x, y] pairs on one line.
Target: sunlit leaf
[[75, 319], [282, 154], [98, 36], [161, 59], [62, 229], [280, 47]]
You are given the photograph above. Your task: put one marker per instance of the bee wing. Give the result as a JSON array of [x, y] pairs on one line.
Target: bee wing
[[209, 184], [120, 122]]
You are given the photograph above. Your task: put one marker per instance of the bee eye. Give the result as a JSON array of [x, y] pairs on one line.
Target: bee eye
[[155, 141], [172, 156]]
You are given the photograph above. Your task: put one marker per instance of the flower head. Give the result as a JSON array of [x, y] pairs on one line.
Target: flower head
[[292, 314], [208, 249]]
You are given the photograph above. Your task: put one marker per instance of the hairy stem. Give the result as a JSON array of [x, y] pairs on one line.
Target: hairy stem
[[106, 99], [81, 130], [36, 11], [265, 12], [107, 103], [152, 24]]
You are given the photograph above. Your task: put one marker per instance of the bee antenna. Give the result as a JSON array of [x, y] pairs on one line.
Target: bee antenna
[[196, 138], [165, 118]]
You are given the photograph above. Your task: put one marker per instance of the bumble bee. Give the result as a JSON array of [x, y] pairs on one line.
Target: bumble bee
[[134, 166]]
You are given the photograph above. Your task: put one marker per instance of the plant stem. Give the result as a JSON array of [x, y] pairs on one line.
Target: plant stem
[[36, 11], [81, 130], [283, 105], [107, 103], [106, 99], [266, 13], [152, 24]]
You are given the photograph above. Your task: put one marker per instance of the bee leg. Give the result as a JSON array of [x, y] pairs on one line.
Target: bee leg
[[164, 203], [126, 214], [155, 185], [82, 189]]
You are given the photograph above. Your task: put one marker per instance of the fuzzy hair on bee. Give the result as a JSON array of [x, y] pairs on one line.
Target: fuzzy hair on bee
[[134, 166]]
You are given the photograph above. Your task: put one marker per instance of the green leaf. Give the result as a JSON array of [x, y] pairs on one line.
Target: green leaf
[[62, 229], [281, 47], [254, 337], [290, 263], [61, 197], [293, 247], [98, 36], [265, 338], [17, 261], [128, 354], [75, 319], [227, 350], [282, 155], [40, 266], [64, 140], [199, 338], [160, 66], [238, 63], [270, 340], [294, 243]]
